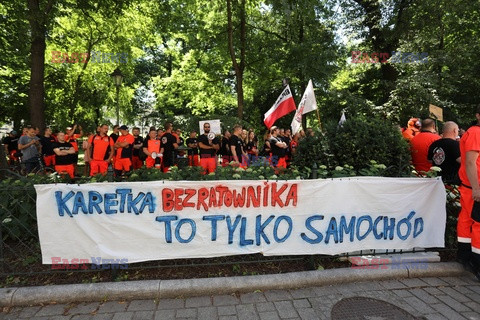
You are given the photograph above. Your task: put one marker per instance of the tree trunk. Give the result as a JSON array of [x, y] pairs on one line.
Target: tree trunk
[[36, 93], [238, 67]]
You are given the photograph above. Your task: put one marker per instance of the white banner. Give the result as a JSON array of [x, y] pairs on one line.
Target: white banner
[[140, 221]]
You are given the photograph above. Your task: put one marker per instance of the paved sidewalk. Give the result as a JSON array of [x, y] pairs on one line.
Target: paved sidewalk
[[434, 298]]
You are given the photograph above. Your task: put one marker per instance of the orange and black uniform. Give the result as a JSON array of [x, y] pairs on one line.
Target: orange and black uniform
[[100, 153], [136, 162], [238, 143], [278, 154], [73, 140], [152, 145], [47, 150], [167, 142], [225, 151], [123, 160], [192, 153], [12, 147], [208, 157], [64, 163], [468, 230]]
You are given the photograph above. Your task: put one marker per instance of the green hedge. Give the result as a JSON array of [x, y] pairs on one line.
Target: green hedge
[[355, 144]]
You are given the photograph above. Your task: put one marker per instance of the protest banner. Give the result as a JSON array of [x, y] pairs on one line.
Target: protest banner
[[141, 221]]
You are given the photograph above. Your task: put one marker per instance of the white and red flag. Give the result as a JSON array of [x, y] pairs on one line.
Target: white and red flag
[[283, 106], [307, 104]]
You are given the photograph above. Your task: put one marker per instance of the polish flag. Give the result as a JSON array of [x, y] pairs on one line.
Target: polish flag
[[283, 106]]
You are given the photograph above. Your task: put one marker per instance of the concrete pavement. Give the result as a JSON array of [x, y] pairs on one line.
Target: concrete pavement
[[442, 291]]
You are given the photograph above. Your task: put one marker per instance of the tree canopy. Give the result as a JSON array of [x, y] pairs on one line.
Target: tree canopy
[[194, 59]]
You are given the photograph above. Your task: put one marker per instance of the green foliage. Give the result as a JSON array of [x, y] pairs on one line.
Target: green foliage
[[356, 144]]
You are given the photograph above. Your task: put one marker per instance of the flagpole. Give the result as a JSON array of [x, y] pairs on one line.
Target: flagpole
[[319, 122]]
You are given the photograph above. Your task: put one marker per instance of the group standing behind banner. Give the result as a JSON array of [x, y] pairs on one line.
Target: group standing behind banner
[[125, 151]]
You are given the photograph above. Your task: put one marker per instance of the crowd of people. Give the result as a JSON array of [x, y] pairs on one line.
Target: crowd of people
[[456, 152], [160, 148]]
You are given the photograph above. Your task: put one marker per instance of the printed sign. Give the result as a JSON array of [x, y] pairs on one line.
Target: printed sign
[[214, 126], [141, 221]]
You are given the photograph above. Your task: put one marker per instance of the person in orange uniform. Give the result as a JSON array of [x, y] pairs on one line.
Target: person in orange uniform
[[208, 144], [124, 147], [100, 151], [413, 128], [420, 143], [151, 146], [468, 225], [64, 156]]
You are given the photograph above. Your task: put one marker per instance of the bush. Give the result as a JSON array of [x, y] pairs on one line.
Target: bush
[[355, 144]]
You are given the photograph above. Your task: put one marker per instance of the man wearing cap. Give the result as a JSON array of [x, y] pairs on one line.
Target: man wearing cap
[[11, 146], [208, 145], [100, 151], [124, 147]]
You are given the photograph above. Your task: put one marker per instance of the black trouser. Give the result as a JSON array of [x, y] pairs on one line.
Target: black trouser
[[31, 164]]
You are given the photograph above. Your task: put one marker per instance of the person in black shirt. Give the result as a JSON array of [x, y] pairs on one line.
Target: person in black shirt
[[279, 148], [11, 146], [287, 138], [445, 153], [192, 143], [236, 146], [64, 156], [167, 147], [114, 135], [208, 144], [225, 151], [252, 146], [137, 163], [47, 141]]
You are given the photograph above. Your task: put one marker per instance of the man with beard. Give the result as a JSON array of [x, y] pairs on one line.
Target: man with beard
[[209, 145]]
